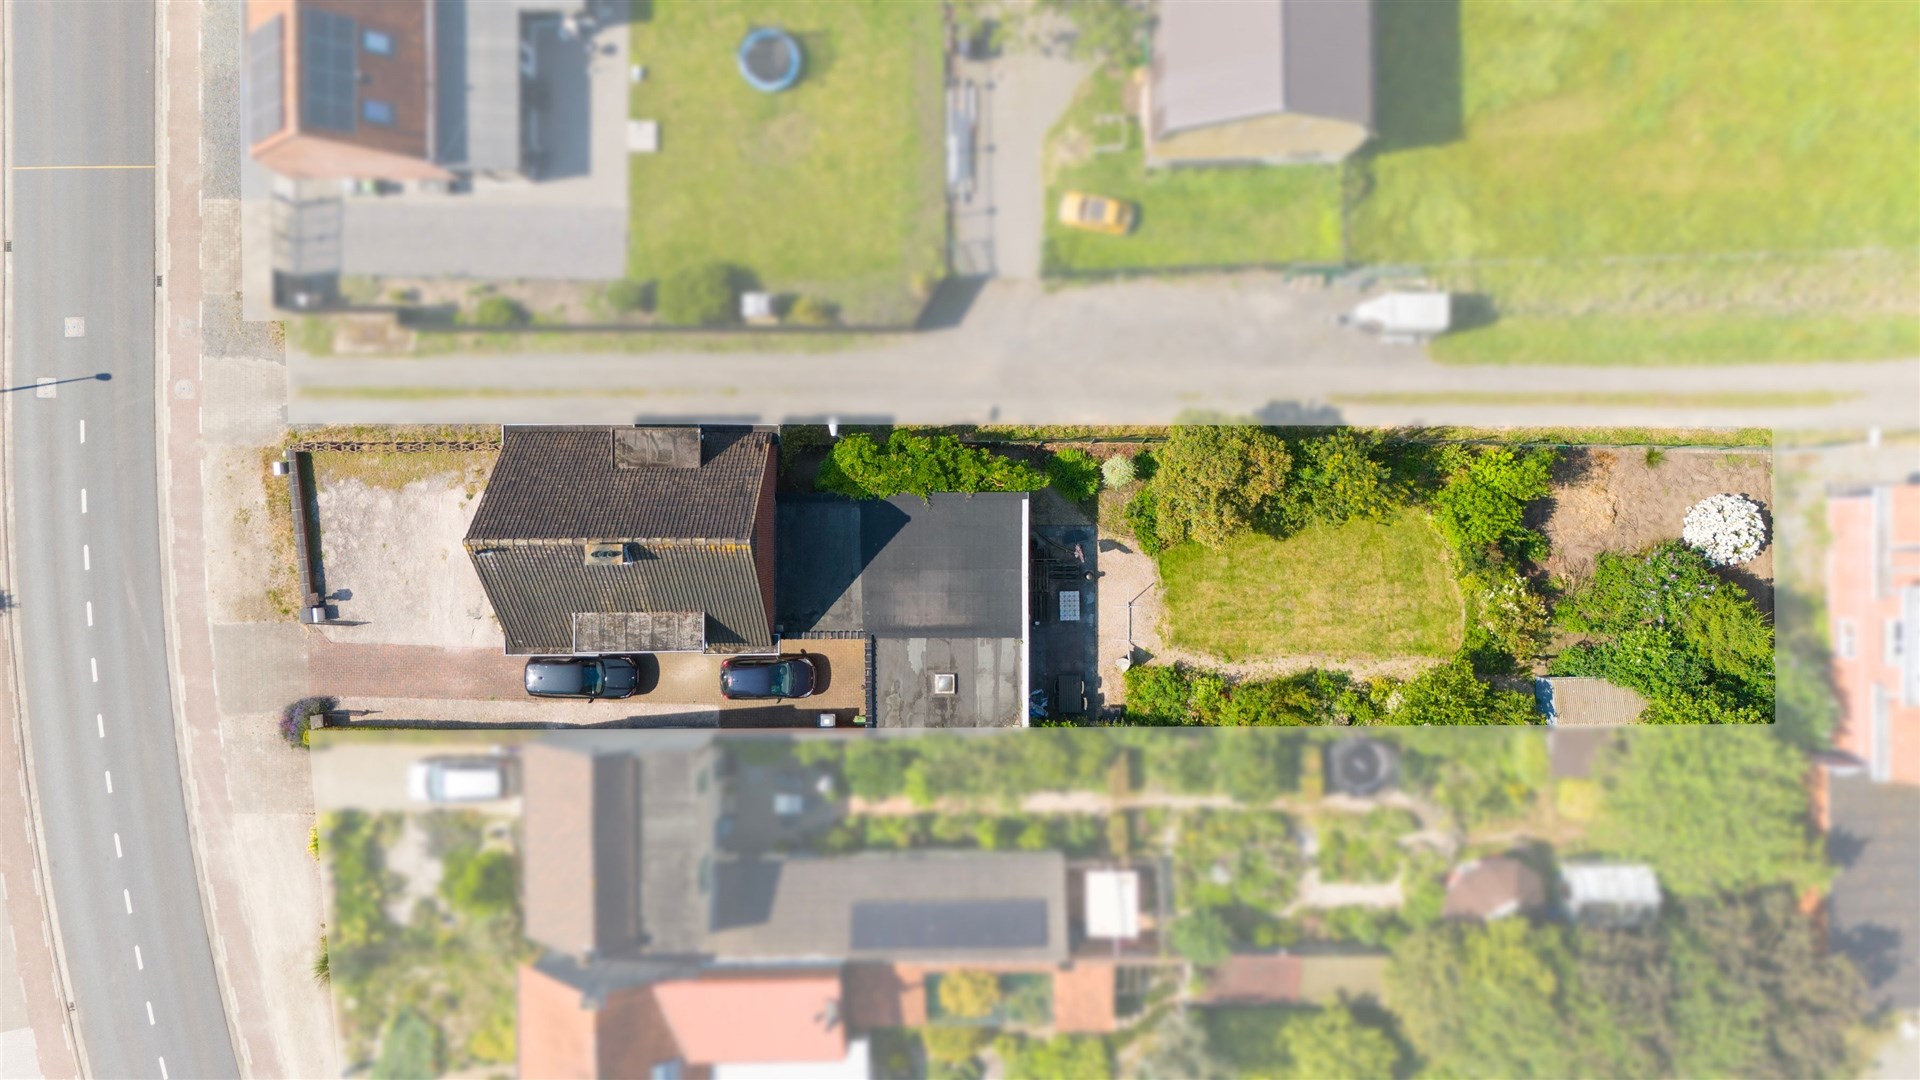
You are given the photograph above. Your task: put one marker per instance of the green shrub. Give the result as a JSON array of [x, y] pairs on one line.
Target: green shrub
[[1363, 847], [1074, 474], [1216, 482], [700, 295], [1514, 617], [322, 964], [1142, 515], [1337, 478], [411, 1048], [1482, 508], [626, 295], [1062, 1057], [1202, 937], [810, 311], [1117, 471], [296, 720], [969, 995], [1451, 694], [921, 465], [499, 311], [952, 1045], [480, 884]]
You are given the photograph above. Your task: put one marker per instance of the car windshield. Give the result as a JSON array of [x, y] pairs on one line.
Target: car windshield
[[1093, 210]]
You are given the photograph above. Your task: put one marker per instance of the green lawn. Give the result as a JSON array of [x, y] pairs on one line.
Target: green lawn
[[833, 189], [1704, 338], [1191, 217], [1363, 589]]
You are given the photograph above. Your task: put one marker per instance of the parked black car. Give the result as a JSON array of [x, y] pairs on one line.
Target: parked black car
[[587, 677], [773, 677]]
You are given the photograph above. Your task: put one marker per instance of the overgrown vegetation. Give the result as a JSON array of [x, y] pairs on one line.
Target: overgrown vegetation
[[921, 465], [1663, 623], [1363, 847]]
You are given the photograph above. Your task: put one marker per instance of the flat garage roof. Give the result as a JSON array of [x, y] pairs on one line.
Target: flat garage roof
[[939, 583]]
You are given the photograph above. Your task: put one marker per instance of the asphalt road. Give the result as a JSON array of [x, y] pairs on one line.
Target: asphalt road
[[86, 528]]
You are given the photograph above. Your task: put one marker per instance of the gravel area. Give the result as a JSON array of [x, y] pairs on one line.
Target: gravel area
[[395, 565]]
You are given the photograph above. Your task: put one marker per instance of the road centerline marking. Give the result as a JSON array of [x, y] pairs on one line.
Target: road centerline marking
[[109, 775], [117, 853], [100, 721], [137, 960], [86, 556], [93, 662], [83, 500], [83, 431], [89, 613], [127, 896], [150, 1016]]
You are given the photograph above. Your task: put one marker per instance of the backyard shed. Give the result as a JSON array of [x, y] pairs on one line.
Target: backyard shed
[[1493, 888], [1609, 894], [1581, 701]]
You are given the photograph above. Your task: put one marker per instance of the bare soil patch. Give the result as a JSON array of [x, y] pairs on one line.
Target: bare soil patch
[[1619, 500]]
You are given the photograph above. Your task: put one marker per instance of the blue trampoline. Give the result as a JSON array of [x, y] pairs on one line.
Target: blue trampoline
[[770, 60]]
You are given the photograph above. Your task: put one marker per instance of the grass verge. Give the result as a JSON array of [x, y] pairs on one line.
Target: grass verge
[[1731, 399], [1362, 589], [1706, 338]]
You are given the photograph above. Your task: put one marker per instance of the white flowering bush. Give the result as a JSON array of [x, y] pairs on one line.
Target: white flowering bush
[[1727, 529]]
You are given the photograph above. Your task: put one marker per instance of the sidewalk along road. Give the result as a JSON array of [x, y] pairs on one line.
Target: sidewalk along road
[[1138, 352], [86, 528]]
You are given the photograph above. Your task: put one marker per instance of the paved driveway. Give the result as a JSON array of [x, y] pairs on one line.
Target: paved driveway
[[439, 685]]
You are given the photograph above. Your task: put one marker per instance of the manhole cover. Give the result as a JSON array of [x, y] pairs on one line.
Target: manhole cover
[[76, 326], [183, 389], [46, 386]]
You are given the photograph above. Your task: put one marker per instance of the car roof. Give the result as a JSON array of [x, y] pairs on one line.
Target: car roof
[[557, 676]]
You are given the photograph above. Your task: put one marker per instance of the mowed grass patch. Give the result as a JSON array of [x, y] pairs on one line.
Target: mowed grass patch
[[1363, 589], [1189, 217], [832, 189], [1576, 129], [1718, 337]]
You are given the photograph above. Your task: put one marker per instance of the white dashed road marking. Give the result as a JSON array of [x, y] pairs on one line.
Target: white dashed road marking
[[150, 1016], [127, 896], [94, 663], [163, 1069], [86, 557], [109, 775], [83, 431], [83, 500], [89, 613], [117, 853], [100, 722], [137, 961]]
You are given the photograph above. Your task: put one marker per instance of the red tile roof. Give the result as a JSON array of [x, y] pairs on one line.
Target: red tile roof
[[757, 1017]]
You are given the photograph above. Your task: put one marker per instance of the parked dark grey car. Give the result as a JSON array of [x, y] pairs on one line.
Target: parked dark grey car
[[586, 677], [770, 677]]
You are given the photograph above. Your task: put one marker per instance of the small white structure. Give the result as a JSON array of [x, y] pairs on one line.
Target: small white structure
[[643, 136], [1614, 894], [756, 307], [1113, 904], [1404, 318]]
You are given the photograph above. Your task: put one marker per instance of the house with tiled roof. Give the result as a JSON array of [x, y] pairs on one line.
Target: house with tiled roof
[[629, 539], [1495, 887], [1873, 612]]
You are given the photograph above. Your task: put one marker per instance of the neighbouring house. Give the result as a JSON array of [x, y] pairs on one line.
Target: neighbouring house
[[656, 932], [1493, 888], [1259, 82], [1609, 894], [1306, 978], [411, 90], [662, 1020], [1584, 701], [629, 539], [1873, 610]]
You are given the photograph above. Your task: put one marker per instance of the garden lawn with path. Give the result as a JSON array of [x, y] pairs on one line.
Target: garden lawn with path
[[1360, 589], [832, 189], [1575, 133], [1189, 217]]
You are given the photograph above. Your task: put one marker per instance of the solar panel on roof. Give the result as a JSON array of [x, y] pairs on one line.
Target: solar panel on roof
[[266, 76], [927, 925], [329, 69]]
